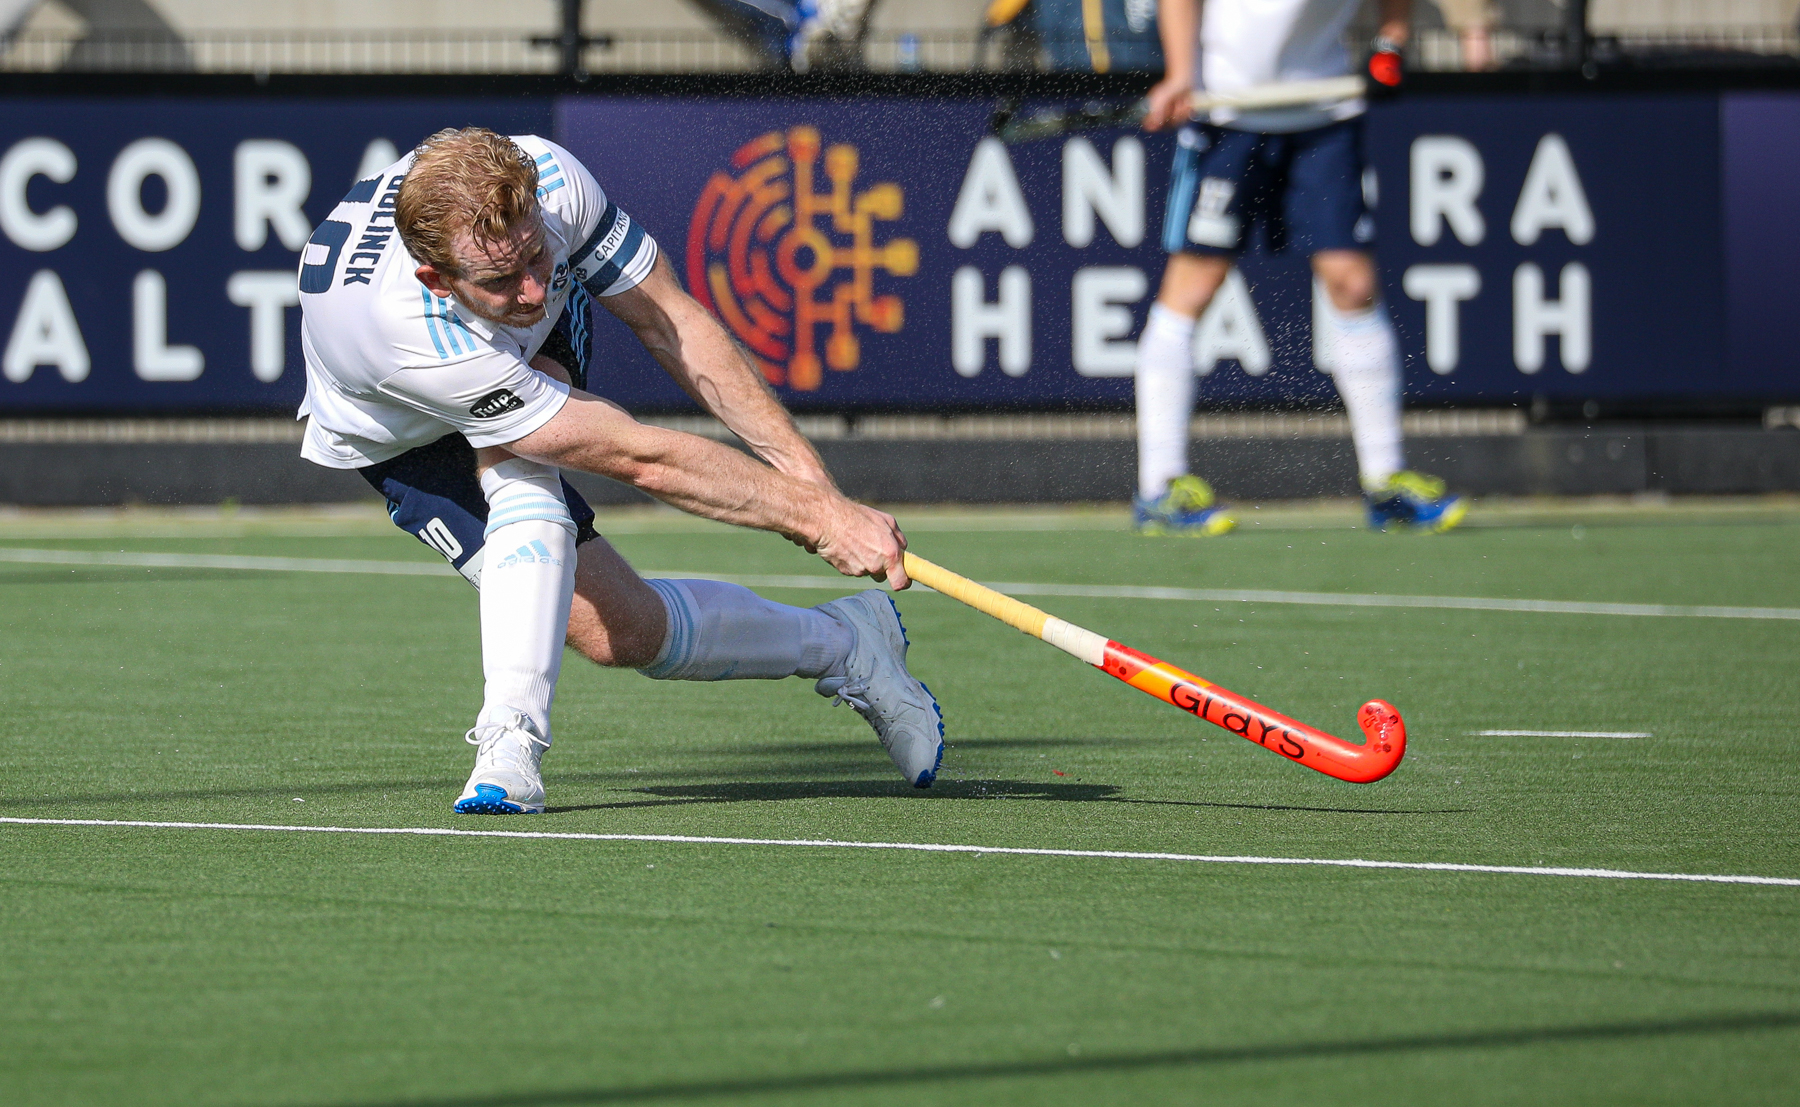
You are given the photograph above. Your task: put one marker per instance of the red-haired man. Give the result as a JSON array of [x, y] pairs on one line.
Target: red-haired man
[[445, 307]]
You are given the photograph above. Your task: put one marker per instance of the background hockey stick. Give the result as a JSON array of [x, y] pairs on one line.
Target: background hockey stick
[[1009, 126], [1382, 727]]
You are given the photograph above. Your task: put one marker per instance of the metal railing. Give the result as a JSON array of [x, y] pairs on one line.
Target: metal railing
[[500, 52], [1446, 51], [397, 51]]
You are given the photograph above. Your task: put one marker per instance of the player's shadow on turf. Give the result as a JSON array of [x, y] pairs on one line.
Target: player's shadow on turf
[[677, 795], [1078, 1064], [861, 747]]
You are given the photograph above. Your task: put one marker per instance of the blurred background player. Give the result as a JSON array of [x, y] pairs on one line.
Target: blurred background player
[[809, 34], [1098, 36], [1291, 179]]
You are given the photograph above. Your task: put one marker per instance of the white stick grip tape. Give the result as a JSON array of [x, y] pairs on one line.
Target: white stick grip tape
[[1071, 639]]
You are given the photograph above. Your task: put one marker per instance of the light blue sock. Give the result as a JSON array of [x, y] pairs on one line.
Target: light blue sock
[[719, 631]]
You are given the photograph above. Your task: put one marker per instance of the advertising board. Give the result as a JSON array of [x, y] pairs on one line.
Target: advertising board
[[881, 252]]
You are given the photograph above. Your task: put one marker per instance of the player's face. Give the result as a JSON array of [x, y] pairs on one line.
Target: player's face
[[504, 282]]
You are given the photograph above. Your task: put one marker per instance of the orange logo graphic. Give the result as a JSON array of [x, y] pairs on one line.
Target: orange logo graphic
[[777, 261]]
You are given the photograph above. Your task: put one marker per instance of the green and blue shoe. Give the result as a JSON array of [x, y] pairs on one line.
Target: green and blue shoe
[[1416, 502], [1188, 509]]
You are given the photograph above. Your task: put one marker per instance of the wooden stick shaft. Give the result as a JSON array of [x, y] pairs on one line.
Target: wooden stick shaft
[[1281, 95], [1019, 616], [1052, 122], [1065, 636]]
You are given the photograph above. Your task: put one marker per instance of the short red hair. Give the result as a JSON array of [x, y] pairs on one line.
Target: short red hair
[[464, 180]]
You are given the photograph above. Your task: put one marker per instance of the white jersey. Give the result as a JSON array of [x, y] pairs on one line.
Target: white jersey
[[1259, 42], [391, 366]]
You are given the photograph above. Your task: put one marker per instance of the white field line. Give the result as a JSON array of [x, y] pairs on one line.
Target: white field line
[[843, 584], [1353, 599], [221, 561], [933, 847], [1560, 734]]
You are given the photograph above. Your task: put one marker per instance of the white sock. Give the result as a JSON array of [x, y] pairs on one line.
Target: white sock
[[1362, 354], [1165, 399], [719, 631], [527, 581]]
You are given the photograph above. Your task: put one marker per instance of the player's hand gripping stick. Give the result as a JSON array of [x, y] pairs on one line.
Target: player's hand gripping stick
[[1386, 66], [1382, 728]]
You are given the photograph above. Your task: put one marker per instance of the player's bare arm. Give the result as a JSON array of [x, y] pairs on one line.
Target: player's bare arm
[[1176, 24], [696, 351], [714, 481], [1396, 21], [505, 280]]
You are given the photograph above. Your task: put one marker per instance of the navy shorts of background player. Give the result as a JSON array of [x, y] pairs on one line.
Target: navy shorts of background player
[[1231, 191], [432, 492]]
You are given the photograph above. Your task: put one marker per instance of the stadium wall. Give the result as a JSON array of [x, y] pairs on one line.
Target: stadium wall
[[1614, 459], [1619, 248]]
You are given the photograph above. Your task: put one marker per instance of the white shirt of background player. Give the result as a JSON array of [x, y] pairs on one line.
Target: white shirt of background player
[[1258, 42]]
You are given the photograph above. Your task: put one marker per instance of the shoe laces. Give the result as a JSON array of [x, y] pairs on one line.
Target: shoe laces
[[490, 742], [856, 695]]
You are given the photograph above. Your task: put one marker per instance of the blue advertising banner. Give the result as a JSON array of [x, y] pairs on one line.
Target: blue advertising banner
[[1559, 246], [832, 238], [1761, 183], [148, 247], [881, 252]]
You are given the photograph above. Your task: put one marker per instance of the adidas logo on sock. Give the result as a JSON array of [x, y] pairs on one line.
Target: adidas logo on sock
[[532, 553]]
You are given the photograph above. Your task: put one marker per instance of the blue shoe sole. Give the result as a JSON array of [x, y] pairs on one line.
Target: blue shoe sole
[[490, 799], [926, 778], [1449, 514], [903, 635], [490, 807]]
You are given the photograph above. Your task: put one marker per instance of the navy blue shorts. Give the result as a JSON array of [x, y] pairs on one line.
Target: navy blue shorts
[[432, 492], [1231, 191]]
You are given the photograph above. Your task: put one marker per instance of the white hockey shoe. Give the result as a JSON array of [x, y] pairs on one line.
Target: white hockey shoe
[[506, 780], [903, 711]]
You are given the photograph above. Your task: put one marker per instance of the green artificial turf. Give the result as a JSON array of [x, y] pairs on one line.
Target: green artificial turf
[[157, 966]]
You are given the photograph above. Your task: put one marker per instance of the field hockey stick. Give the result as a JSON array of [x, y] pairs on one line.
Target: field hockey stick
[[1008, 126], [1284, 94], [1382, 727]]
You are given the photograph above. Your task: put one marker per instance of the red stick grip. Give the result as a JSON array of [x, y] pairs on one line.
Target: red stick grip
[[1383, 730]]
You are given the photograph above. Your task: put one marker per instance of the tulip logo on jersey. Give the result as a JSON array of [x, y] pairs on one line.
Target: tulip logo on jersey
[[792, 270], [498, 402]]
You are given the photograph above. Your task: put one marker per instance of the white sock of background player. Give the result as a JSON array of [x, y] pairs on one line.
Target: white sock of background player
[[719, 631], [1165, 399], [1362, 354], [527, 581]]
